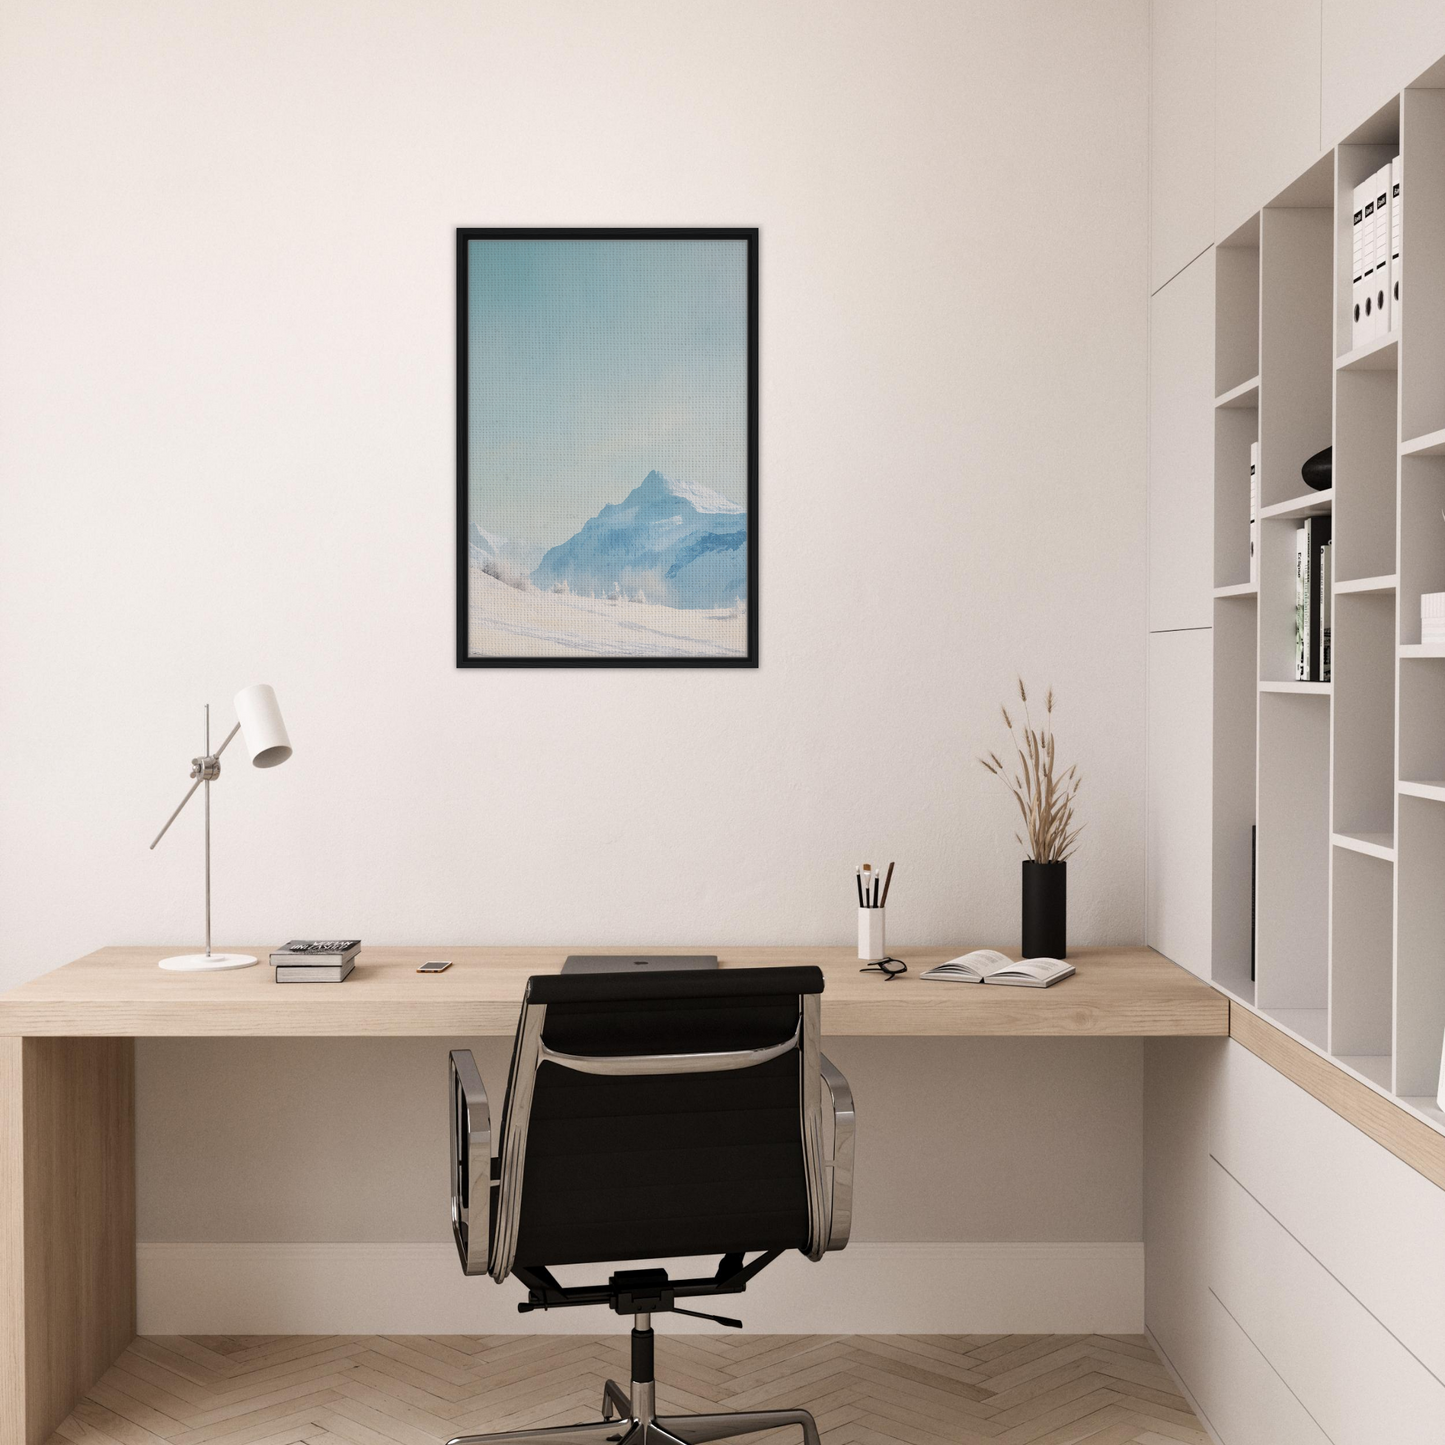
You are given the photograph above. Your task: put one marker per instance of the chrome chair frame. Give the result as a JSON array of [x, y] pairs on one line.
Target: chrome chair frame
[[485, 1227]]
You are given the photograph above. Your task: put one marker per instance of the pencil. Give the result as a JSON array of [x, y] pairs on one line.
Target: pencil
[[887, 883], [859, 881]]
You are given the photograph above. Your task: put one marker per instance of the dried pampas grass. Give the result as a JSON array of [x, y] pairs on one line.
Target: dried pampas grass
[[1046, 801]]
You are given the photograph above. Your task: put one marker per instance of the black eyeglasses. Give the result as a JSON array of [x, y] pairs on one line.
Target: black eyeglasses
[[890, 968]]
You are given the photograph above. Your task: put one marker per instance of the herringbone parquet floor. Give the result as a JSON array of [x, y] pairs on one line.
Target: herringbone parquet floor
[[419, 1390]]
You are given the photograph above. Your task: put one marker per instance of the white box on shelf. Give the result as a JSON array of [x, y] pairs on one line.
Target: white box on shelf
[[1432, 617]]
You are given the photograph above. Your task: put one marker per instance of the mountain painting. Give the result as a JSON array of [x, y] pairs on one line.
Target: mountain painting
[[607, 448]]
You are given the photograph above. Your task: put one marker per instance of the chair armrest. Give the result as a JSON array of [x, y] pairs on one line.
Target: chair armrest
[[840, 1166], [471, 1129]]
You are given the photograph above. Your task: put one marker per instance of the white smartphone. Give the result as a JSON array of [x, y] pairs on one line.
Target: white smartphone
[[435, 965]]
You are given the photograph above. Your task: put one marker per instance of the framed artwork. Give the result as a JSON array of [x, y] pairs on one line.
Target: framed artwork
[[607, 448]]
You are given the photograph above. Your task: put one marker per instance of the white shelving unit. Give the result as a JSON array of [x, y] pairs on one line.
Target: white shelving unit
[[1344, 781]]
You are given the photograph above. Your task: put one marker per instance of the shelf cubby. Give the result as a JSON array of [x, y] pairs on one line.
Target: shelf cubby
[[1422, 254], [1422, 720], [1294, 852], [1420, 962], [1365, 459], [1296, 368], [1362, 902], [1236, 705], [1235, 429], [1364, 703], [1422, 537], [1236, 313]]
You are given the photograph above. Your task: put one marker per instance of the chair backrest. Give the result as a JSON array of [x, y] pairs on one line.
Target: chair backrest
[[662, 1115]]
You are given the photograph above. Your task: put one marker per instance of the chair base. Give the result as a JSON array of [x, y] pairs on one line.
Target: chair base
[[641, 1427]]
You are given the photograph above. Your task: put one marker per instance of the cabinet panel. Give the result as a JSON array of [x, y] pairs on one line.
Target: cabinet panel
[[1355, 1379], [1332, 1187], [1371, 51], [1181, 1080], [1245, 1400], [1181, 134], [1178, 897], [1181, 450], [1266, 102]]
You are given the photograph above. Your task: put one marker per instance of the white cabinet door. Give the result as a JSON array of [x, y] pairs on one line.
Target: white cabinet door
[[1181, 134], [1266, 102], [1178, 902], [1358, 1382], [1181, 450], [1371, 1220]]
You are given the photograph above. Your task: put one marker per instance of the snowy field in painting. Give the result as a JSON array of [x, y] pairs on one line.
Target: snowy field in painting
[[509, 621]]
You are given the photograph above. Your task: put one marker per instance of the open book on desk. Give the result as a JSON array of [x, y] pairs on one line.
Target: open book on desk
[[987, 965]]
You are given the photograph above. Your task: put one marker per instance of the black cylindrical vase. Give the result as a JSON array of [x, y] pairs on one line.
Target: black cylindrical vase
[[1046, 909]]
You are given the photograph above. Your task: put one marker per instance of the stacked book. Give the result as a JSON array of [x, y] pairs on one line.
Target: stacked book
[[1312, 601], [315, 960]]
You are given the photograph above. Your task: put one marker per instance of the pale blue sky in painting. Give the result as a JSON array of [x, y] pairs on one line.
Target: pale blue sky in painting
[[593, 362]]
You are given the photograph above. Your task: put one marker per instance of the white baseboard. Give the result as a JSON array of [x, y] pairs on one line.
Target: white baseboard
[[307, 1289]]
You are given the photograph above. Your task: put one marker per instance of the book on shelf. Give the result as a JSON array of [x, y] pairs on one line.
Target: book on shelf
[[1301, 606], [1254, 513], [988, 965], [1326, 606], [1311, 538], [314, 972]]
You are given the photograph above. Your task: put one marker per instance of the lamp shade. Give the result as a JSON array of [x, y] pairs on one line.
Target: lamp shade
[[262, 730]]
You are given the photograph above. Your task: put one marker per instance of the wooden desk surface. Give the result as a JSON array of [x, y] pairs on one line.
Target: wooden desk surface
[[119, 992]]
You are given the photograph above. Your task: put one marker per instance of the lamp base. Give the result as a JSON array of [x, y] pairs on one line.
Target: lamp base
[[206, 962]]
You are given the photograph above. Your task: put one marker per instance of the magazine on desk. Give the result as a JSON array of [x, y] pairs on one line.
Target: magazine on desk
[[988, 965]]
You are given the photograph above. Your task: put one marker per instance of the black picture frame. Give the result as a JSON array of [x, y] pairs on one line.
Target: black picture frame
[[466, 235]]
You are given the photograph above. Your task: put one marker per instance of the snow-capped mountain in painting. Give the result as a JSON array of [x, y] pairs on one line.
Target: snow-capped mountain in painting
[[678, 543]]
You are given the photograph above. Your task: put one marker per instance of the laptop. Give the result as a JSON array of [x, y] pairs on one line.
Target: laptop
[[637, 962]]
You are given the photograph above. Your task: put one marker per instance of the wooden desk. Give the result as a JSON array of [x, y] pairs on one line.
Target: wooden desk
[[67, 1090], [119, 992]]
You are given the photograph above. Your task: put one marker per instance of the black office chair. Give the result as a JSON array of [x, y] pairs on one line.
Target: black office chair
[[650, 1117]]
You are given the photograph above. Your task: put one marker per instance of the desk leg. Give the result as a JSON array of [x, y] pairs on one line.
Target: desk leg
[[67, 1224]]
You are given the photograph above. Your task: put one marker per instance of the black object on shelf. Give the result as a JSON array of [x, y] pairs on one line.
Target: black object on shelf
[[1046, 908], [1319, 471]]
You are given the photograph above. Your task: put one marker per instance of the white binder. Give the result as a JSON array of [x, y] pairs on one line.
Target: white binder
[[1367, 325], [1254, 513], [1396, 225], [1382, 251], [1357, 268]]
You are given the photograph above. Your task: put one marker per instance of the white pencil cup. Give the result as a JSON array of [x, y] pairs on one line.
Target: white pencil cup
[[871, 946]]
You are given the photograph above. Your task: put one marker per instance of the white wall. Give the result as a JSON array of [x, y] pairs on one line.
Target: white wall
[[226, 354], [226, 367]]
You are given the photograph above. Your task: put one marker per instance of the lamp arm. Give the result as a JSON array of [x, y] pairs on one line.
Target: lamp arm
[[227, 743], [202, 774], [177, 813]]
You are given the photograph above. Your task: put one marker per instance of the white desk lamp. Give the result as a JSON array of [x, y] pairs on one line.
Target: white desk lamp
[[258, 720]]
